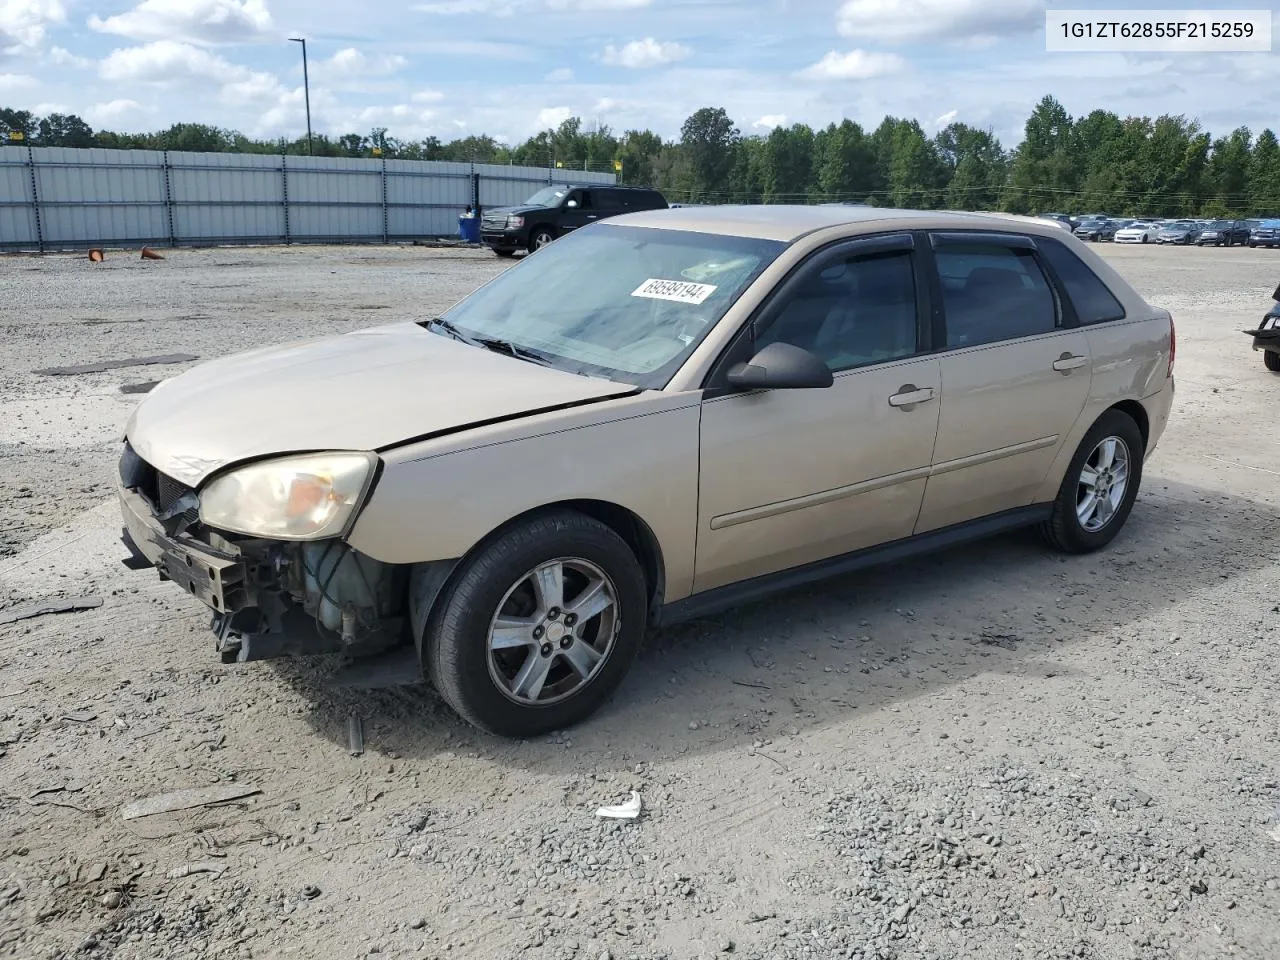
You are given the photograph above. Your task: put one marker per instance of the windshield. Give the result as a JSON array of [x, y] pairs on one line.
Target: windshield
[[547, 197], [625, 303]]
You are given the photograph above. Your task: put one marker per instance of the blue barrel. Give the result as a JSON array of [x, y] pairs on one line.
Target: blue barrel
[[469, 229]]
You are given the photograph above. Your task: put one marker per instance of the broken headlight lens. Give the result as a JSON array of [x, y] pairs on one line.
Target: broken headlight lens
[[297, 498]]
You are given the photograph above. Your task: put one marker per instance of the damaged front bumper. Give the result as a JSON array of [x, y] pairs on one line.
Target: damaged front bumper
[[1267, 335], [267, 598]]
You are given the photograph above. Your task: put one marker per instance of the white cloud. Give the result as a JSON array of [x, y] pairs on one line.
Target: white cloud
[[427, 96], [114, 111], [854, 65], [598, 4], [44, 109], [946, 118], [559, 75], [770, 120], [460, 8], [195, 21], [604, 105], [61, 57], [351, 62], [551, 117], [901, 21], [642, 54], [23, 23], [15, 81]]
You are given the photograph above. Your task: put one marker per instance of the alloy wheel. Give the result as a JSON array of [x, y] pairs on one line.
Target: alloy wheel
[[553, 631], [1104, 480]]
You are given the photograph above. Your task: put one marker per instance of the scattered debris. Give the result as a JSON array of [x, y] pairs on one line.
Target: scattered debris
[[1006, 640], [144, 387], [99, 367], [355, 735], [622, 811], [149, 254], [80, 716], [200, 866], [311, 891], [95, 255], [71, 786], [748, 683], [45, 607], [186, 799]]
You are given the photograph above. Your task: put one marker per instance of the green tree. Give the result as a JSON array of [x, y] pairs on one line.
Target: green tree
[[707, 139], [1228, 176], [1042, 176], [845, 165], [788, 164], [1264, 176]]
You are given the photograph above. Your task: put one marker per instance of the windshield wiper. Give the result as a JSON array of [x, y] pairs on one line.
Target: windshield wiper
[[498, 345], [448, 327]]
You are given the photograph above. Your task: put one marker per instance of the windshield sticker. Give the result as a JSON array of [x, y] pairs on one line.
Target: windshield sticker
[[679, 291]]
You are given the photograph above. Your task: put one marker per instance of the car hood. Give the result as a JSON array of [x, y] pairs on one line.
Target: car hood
[[360, 391], [512, 211]]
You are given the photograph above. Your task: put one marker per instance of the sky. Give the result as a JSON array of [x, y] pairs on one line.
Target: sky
[[510, 68]]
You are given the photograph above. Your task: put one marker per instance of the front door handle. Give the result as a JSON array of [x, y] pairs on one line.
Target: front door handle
[[1068, 362], [909, 395], [591, 216]]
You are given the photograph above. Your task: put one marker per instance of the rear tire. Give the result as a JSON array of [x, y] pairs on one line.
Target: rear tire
[[1099, 488], [529, 580], [1271, 360]]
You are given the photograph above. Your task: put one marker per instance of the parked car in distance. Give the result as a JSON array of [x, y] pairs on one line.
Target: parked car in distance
[[558, 209], [1067, 221], [1179, 232], [1136, 232], [1267, 335], [1265, 234], [1096, 230], [1224, 233], [657, 417]]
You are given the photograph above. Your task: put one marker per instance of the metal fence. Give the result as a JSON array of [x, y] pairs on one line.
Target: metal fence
[[59, 198]]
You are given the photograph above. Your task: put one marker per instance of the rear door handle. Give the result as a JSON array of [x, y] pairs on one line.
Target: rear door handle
[[1068, 362], [909, 395]]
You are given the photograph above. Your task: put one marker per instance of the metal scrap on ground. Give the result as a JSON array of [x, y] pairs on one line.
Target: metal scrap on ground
[[44, 607], [115, 364], [186, 799], [144, 387]]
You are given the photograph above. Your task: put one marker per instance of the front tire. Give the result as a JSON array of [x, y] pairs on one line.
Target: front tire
[[540, 237], [505, 251], [538, 627], [1271, 360], [1099, 488]]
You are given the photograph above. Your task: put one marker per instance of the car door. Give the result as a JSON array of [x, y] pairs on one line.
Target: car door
[[788, 477], [1016, 374], [580, 213]]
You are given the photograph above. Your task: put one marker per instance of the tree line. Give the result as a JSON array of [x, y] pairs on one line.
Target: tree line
[[1167, 166]]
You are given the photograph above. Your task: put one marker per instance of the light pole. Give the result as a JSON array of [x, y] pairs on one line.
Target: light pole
[[306, 89]]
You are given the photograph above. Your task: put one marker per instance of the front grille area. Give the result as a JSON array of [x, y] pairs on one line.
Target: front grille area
[[160, 490]]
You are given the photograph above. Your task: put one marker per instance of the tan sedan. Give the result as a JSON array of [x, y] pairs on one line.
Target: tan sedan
[[649, 419]]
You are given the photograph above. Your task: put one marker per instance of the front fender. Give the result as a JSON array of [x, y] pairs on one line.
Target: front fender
[[437, 499]]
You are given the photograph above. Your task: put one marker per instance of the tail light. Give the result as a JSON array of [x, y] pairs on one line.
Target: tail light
[[1173, 345]]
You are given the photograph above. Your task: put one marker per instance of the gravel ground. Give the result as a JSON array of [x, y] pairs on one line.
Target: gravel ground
[[998, 752]]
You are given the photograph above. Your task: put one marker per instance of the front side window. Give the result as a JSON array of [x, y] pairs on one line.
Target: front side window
[[991, 292], [625, 303], [854, 312], [1093, 301]]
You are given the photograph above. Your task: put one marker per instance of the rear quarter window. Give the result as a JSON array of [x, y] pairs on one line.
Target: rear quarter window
[[1092, 300]]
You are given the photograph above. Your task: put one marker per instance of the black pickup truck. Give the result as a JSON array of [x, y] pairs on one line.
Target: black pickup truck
[[555, 210]]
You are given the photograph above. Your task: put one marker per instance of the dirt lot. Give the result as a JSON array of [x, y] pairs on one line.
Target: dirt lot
[[998, 753]]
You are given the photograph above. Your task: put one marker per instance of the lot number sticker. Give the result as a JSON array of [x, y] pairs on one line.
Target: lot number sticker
[[680, 291]]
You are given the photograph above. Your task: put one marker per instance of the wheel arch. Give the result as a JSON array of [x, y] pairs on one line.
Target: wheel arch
[[430, 579], [1137, 413]]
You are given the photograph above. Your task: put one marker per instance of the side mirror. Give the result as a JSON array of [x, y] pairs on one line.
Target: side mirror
[[571, 203], [781, 366]]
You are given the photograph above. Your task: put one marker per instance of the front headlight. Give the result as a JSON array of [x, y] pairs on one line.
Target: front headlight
[[515, 223], [296, 498]]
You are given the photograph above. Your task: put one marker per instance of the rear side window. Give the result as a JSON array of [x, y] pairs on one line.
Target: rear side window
[[609, 200], [1093, 302], [992, 292]]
